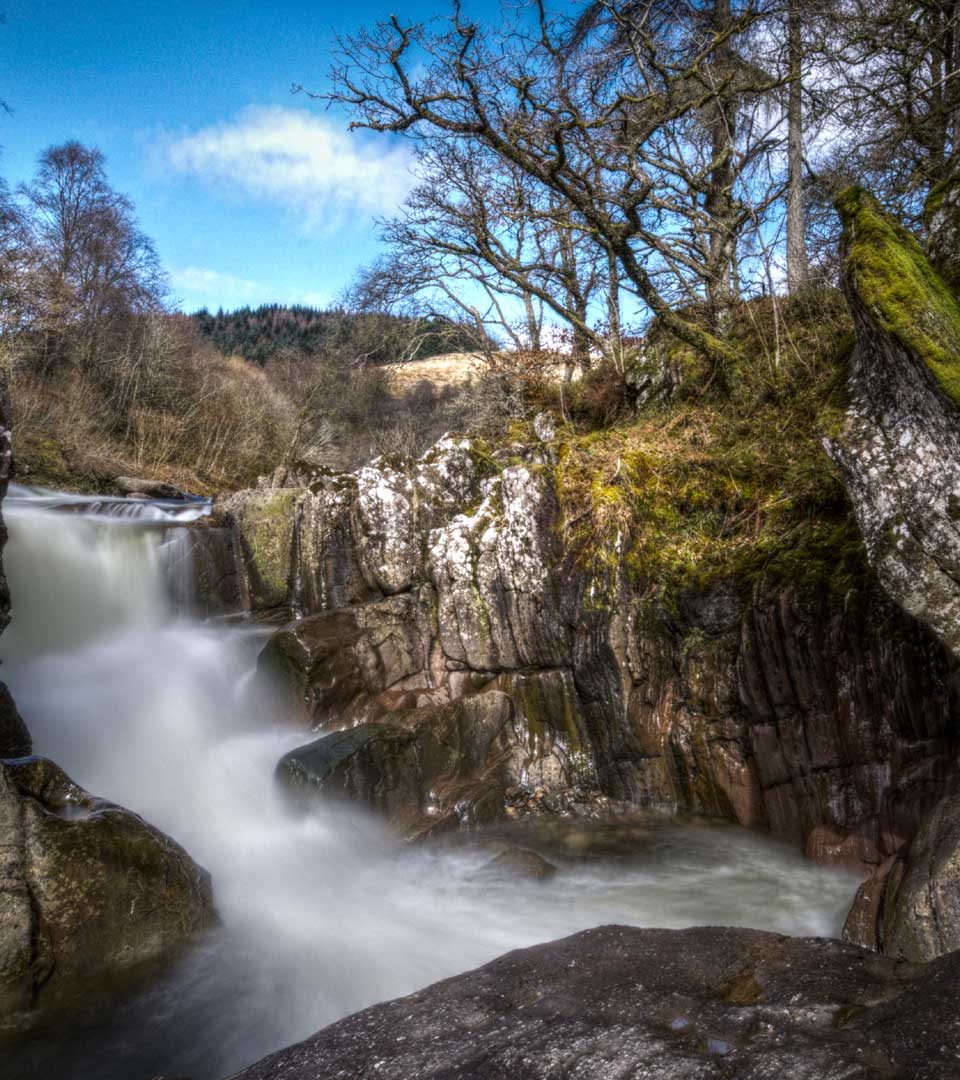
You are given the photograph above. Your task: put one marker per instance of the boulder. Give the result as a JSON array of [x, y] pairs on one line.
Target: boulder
[[150, 489], [335, 666], [620, 1003], [452, 765], [86, 887], [372, 763], [516, 861], [15, 739], [910, 907], [898, 446]]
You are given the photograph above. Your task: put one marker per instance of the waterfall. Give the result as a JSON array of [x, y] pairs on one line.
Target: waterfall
[[321, 913]]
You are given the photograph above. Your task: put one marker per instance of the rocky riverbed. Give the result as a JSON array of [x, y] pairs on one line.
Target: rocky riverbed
[[415, 716]]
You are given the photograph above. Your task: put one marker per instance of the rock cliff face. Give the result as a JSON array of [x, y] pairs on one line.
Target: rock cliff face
[[910, 907], [617, 1003], [484, 670], [899, 447], [942, 217]]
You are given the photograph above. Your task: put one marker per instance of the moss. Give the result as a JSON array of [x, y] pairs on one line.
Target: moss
[[734, 488], [266, 522], [900, 289]]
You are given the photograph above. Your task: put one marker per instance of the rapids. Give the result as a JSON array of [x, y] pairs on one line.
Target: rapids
[[321, 914]]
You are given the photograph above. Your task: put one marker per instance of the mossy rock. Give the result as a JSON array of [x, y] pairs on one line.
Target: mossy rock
[[889, 274], [266, 521]]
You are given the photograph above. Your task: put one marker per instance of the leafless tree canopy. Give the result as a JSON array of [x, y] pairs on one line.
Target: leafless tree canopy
[[661, 148]]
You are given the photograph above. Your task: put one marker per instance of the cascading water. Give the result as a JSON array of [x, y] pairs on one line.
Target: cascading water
[[321, 914]]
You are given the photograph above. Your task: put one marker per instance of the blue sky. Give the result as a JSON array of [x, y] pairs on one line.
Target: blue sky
[[250, 194]]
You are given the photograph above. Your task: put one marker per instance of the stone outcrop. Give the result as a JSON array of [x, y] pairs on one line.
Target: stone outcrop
[[148, 489], [899, 444], [211, 583], [85, 886], [433, 588], [619, 1002], [452, 765], [910, 907]]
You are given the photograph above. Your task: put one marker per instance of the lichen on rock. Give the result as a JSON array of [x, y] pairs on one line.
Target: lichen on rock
[[899, 446]]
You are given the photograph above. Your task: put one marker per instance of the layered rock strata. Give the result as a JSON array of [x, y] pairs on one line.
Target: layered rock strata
[[440, 591]]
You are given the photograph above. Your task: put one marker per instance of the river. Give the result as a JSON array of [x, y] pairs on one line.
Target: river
[[322, 914]]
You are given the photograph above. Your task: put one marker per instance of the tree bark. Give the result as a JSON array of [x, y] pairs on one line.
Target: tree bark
[[798, 268]]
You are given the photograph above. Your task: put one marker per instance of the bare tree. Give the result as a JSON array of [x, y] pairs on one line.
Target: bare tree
[[798, 267], [642, 154], [895, 95], [92, 263]]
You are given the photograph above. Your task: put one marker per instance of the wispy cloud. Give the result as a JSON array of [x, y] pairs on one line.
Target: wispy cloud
[[199, 279], [304, 163], [201, 285]]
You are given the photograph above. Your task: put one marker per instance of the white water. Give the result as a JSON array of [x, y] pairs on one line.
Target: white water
[[321, 914]]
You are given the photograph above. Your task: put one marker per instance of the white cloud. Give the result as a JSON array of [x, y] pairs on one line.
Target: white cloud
[[302, 162], [198, 279], [203, 286]]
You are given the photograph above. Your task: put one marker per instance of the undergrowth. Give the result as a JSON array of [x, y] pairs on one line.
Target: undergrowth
[[733, 485]]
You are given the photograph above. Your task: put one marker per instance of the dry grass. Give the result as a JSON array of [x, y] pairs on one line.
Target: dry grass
[[457, 369]]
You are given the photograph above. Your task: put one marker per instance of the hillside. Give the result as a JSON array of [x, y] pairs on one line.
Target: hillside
[[258, 334]]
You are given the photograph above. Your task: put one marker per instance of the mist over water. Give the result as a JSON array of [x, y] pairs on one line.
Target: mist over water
[[321, 914]]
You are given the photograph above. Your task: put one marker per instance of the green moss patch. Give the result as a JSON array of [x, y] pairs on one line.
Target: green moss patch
[[734, 487], [900, 289]]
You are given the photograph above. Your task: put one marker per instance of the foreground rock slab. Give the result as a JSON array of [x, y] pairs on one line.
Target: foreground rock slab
[[619, 1002]]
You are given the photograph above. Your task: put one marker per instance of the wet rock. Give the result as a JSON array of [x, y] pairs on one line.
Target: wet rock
[[435, 767], [148, 489], [618, 1002], [15, 739], [265, 520], [85, 886], [372, 763], [910, 907], [899, 445], [208, 582], [336, 665], [516, 861]]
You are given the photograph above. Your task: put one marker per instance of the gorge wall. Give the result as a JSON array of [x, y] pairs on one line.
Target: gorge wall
[[482, 668], [485, 661]]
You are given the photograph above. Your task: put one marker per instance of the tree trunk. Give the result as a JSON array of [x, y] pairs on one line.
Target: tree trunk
[[719, 200], [798, 269], [615, 331], [533, 323]]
